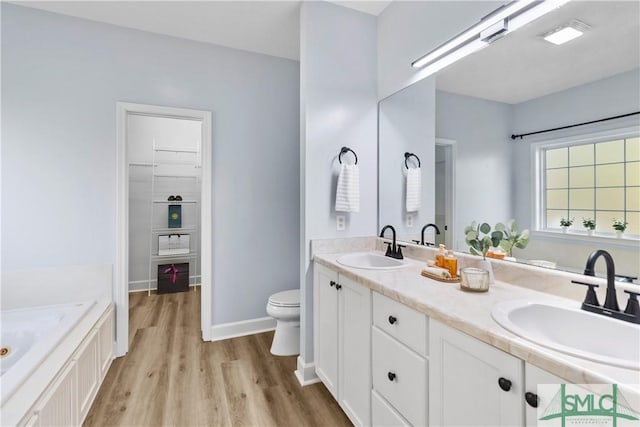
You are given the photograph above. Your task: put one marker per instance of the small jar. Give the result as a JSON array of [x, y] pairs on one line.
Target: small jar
[[474, 279]]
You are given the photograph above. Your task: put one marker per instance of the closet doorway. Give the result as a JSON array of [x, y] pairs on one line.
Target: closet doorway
[[163, 207], [445, 191]]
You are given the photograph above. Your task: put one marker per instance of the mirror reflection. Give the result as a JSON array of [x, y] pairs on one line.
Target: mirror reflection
[[460, 123]]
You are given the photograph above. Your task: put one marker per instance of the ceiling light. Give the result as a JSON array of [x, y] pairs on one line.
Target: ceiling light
[[526, 10], [566, 32]]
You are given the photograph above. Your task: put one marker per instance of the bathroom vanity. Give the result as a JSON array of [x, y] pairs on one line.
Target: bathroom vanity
[[396, 348]]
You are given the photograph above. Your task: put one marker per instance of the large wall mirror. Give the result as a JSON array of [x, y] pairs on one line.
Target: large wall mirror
[[460, 123]]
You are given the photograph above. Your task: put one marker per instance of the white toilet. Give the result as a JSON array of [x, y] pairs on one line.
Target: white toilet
[[285, 308]]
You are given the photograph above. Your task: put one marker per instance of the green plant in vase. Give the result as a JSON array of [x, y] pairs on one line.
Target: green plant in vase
[[512, 237], [619, 226], [589, 224], [480, 238], [566, 223]]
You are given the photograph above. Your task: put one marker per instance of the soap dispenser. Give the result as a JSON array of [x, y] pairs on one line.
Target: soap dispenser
[[440, 256], [451, 263]]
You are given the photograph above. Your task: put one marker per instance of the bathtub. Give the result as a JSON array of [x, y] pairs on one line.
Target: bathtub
[[28, 335]]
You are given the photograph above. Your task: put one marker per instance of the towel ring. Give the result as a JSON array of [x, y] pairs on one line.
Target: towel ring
[[344, 150], [407, 156]]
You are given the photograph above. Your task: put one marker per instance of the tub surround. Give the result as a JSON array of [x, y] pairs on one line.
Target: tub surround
[[471, 312], [18, 405]]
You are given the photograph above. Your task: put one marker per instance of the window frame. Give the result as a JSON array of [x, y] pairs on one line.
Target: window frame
[[538, 202]]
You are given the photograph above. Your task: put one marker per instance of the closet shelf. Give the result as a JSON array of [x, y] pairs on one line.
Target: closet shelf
[[175, 256], [176, 176], [175, 202], [173, 230], [176, 150]]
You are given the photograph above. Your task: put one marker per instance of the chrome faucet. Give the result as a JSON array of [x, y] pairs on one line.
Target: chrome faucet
[[393, 250], [422, 234], [610, 307]]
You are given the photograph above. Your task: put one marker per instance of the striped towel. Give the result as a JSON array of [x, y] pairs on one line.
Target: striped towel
[[348, 190], [414, 189]]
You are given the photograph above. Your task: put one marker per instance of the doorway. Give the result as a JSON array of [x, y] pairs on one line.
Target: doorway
[[445, 198], [151, 162]]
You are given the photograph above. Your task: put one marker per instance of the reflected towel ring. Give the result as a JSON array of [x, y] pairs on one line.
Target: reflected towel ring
[[407, 156], [346, 150]]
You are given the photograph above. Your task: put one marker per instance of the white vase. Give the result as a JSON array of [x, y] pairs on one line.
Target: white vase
[[564, 229], [619, 234], [589, 232], [485, 264]]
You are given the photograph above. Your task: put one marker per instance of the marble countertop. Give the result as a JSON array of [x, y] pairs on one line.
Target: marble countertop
[[470, 313]]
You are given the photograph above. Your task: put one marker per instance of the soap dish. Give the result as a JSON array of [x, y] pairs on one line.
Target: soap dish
[[439, 278]]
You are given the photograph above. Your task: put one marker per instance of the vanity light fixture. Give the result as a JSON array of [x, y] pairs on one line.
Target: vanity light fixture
[[565, 33], [504, 20]]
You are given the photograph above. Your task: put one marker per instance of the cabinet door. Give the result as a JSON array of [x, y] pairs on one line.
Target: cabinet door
[[464, 387], [87, 370], [354, 389], [535, 376], [59, 408], [106, 334], [325, 326]]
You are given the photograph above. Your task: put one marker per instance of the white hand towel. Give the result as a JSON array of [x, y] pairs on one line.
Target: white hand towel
[[348, 191], [414, 189]]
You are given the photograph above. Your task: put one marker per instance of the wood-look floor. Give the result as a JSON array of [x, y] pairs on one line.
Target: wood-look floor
[[170, 377]]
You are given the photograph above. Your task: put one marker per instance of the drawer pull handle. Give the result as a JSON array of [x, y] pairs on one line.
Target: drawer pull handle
[[332, 283], [532, 399], [393, 319], [504, 384], [338, 286], [391, 376]]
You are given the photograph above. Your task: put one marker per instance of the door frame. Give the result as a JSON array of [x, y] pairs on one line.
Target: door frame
[[450, 186], [121, 267]]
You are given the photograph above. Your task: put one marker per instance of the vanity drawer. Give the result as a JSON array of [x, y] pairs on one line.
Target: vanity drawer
[[401, 322], [400, 376], [383, 414]]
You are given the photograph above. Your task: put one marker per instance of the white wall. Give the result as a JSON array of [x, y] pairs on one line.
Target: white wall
[[409, 29], [406, 123], [338, 107], [481, 130], [61, 79]]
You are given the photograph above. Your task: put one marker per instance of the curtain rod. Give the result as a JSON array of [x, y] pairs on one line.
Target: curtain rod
[[572, 126]]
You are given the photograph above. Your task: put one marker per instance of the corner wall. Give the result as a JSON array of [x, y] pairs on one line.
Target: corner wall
[[338, 107]]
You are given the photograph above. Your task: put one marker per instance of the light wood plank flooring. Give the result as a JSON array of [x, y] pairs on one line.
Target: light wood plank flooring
[[171, 378]]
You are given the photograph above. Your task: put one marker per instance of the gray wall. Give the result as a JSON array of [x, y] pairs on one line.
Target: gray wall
[[406, 124], [338, 106], [61, 79], [481, 129]]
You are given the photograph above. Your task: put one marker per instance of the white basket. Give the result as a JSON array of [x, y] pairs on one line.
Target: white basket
[[173, 244]]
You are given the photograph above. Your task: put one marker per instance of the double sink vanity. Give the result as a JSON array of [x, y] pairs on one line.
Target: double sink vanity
[[396, 348]]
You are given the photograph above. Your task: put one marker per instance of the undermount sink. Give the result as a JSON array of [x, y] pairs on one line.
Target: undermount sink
[[371, 261], [566, 328]]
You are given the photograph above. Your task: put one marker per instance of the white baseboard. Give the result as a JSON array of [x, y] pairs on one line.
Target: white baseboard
[[306, 373], [242, 328]]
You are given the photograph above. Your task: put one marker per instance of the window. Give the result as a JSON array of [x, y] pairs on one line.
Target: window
[[598, 180]]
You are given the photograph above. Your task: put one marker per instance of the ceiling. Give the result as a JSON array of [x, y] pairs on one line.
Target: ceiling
[[522, 66], [268, 27]]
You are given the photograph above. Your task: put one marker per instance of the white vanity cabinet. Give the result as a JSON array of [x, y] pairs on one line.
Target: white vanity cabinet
[[399, 364], [535, 376], [472, 383], [342, 341]]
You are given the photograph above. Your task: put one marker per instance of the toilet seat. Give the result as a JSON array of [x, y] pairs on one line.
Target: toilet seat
[[286, 299]]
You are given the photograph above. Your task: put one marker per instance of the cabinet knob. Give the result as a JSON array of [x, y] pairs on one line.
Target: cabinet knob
[[338, 286], [391, 376], [504, 384], [332, 283], [532, 399], [393, 319]]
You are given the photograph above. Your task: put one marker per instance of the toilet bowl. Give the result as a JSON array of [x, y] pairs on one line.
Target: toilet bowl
[[285, 308]]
